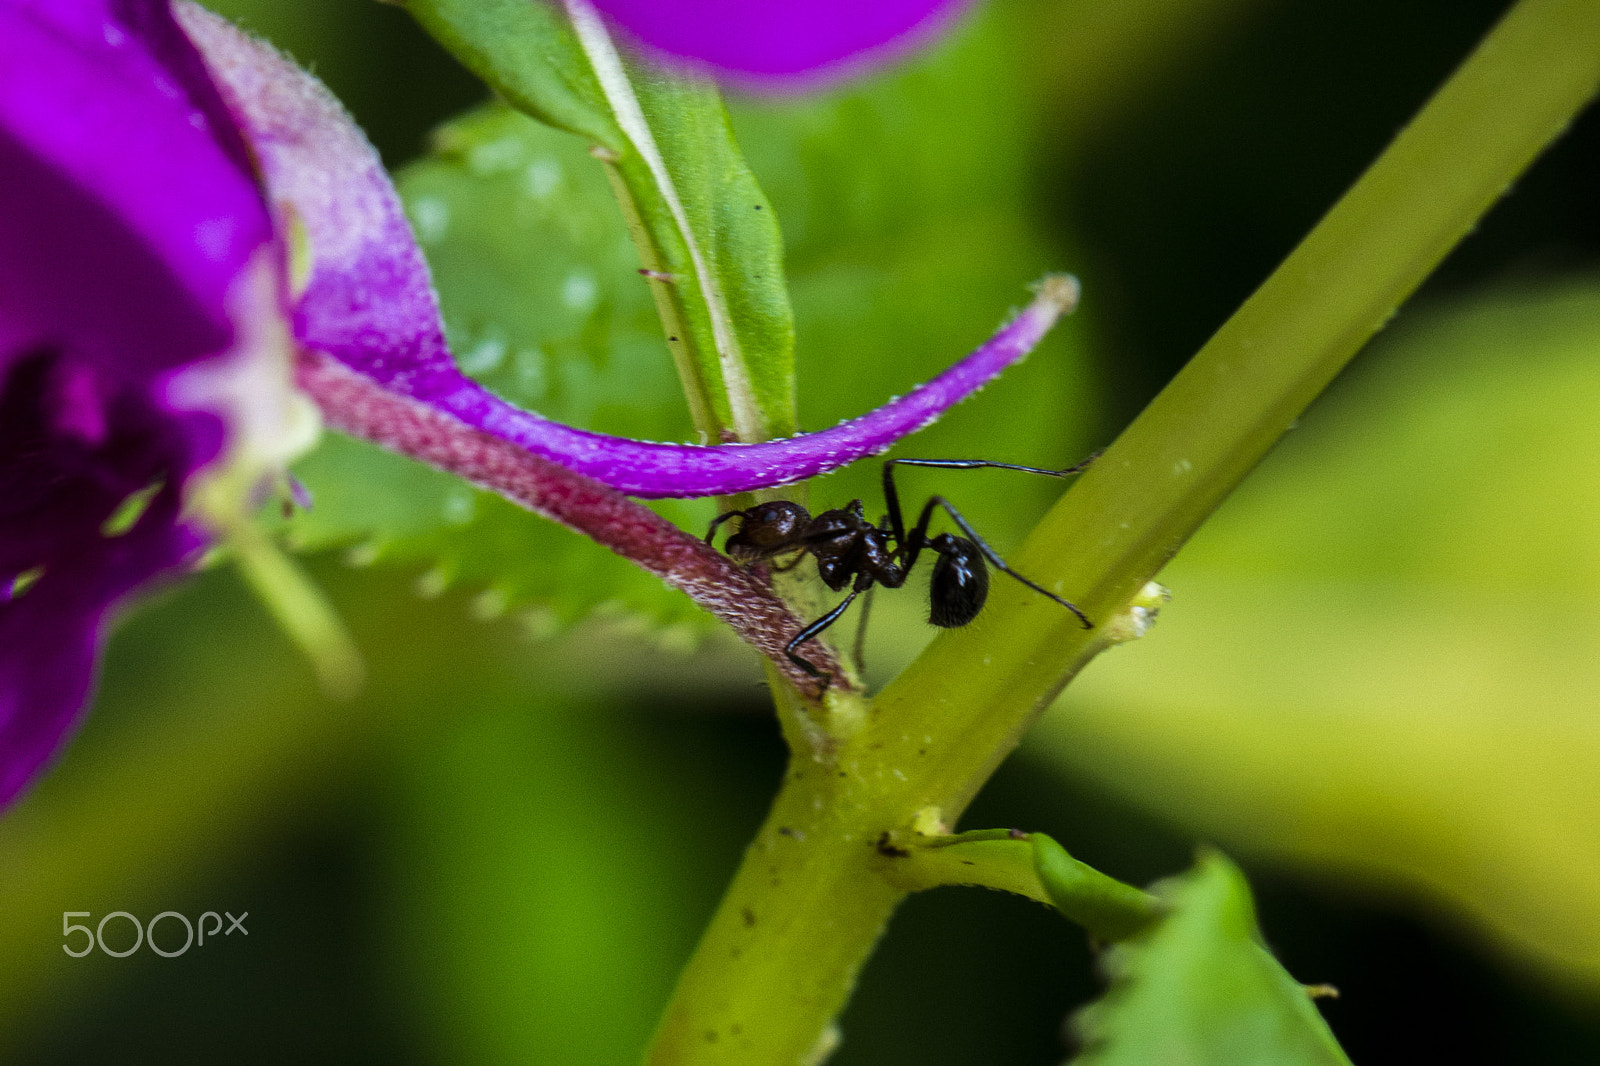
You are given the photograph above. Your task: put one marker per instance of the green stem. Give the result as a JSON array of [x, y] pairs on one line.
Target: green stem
[[807, 890], [299, 607], [938, 732]]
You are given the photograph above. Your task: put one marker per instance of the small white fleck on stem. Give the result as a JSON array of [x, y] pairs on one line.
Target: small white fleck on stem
[[1135, 620]]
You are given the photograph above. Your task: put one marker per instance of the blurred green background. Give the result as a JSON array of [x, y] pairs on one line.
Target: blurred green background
[[1375, 685]]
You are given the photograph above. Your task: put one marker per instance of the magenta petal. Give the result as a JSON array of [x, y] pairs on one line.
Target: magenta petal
[[128, 210], [368, 297], [50, 638], [108, 105], [782, 44]]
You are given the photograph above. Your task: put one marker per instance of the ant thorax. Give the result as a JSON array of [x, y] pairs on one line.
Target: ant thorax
[[846, 546], [859, 552]]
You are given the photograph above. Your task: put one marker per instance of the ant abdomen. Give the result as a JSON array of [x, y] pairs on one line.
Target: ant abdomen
[[960, 582]]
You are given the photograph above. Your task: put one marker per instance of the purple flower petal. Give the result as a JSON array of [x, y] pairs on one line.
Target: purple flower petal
[[361, 289], [367, 299], [785, 45], [102, 102], [59, 495], [127, 212], [50, 636]]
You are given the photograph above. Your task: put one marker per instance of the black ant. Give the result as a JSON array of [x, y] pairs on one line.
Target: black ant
[[852, 551]]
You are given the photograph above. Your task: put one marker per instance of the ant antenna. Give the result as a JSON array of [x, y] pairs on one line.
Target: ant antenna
[[892, 496]]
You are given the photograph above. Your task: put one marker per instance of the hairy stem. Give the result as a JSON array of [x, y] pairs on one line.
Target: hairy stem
[[938, 732], [357, 405]]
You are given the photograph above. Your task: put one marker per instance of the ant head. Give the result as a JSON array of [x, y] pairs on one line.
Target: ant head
[[960, 582], [767, 529]]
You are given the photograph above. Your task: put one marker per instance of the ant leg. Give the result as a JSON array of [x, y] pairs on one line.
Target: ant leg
[[988, 552], [859, 651], [892, 497], [721, 518], [811, 631]]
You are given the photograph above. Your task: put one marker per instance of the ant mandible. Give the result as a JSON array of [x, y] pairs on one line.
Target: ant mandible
[[849, 550]]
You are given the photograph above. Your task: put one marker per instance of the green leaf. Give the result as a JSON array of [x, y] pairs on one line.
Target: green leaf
[[537, 277], [542, 303], [698, 217], [528, 54], [1029, 864], [1109, 909], [1199, 988]]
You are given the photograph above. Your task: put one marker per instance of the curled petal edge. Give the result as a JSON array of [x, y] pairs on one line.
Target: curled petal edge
[[363, 294], [650, 470]]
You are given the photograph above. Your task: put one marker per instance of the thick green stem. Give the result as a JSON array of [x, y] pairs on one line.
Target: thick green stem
[[939, 731], [807, 890]]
